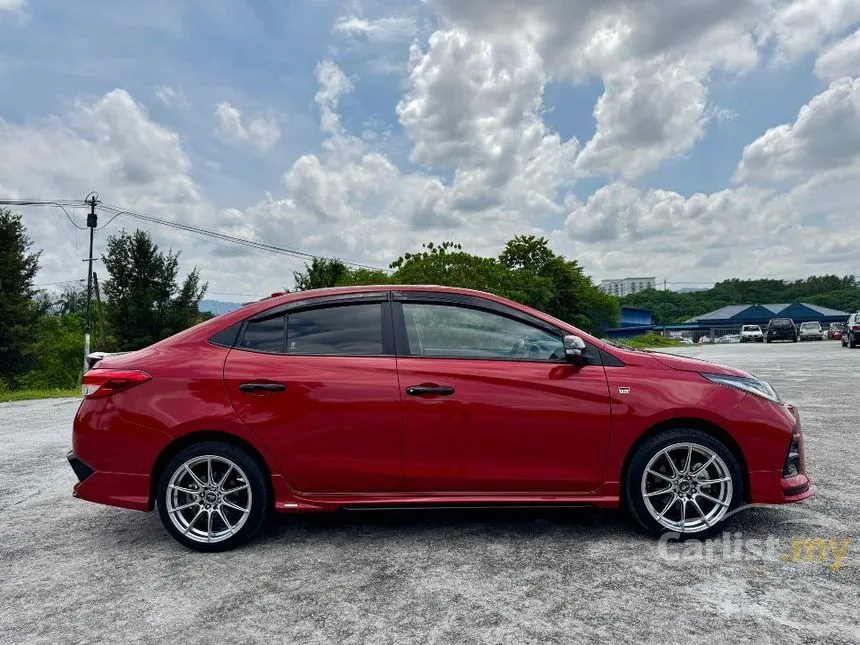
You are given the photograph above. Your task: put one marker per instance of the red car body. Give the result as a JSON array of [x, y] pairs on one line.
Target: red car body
[[344, 433]]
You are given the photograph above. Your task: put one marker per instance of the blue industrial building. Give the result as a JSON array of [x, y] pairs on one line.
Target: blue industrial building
[[799, 312], [634, 322], [729, 319]]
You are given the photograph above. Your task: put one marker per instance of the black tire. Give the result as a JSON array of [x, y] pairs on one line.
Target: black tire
[[258, 498], [768, 340], [852, 341], [632, 487]]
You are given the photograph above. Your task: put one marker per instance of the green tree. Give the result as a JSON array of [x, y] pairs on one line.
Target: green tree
[[57, 353], [554, 284], [829, 290], [18, 311], [320, 274], [72, 298], [362, 276], [144, 301], [448, 265]]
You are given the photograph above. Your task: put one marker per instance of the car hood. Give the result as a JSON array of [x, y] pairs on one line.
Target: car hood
[[687, 364]]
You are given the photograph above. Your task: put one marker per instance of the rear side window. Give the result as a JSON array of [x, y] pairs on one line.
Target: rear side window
[[264, 335], [348, 330]]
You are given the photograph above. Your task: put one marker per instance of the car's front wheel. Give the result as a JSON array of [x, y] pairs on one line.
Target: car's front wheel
[[212, 496], [683, 481]]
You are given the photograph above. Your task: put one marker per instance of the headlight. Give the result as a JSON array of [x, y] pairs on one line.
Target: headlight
[[747, 384]]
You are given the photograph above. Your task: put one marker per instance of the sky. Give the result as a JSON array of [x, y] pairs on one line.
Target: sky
[[691, 141]]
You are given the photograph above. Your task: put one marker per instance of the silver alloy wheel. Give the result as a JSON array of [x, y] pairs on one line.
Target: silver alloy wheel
[[208, 498], [687, 487]]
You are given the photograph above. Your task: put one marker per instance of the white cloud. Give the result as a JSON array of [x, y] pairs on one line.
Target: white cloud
[[261, 132], [384, 30], [11, 5], [487, 163], [473, 106], [802, 26], [108, 144], [841, 59], [825, 135], [644, 117], [653, 56], [171, 97]]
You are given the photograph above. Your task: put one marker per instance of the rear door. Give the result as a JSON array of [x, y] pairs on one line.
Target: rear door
[[490, 404], [318, 384]]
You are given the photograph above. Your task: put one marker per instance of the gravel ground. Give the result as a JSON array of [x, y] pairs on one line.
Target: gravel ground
[[75, 572]]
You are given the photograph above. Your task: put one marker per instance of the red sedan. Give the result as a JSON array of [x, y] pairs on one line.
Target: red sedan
[[416, 395]]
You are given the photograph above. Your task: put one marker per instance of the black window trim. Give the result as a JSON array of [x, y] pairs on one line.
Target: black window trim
[[364, 297]]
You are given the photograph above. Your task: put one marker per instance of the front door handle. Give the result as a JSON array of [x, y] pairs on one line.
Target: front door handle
[[428, 390], [262, 387]]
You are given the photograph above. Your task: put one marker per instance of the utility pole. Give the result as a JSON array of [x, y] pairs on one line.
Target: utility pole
[[92, 222], [99, 310]]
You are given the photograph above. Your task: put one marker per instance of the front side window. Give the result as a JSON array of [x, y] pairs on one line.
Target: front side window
[[347, 330], [448, 331]]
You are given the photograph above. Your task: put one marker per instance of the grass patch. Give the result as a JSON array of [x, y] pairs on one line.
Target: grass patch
[[29, 395], [650, 341]]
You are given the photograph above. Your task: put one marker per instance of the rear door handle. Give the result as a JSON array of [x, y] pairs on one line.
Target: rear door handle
[[262, 387], [425, 390]]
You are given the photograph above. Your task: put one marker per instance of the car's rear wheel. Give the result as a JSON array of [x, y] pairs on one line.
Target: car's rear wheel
[[212, 496], [852, 341], [684, 481]]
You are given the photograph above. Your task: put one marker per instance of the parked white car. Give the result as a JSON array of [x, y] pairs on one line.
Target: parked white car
[[810, 331], [751, 334], [729, 338]]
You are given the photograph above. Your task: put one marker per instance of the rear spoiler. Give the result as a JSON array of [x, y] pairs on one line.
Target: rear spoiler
[[95, 357]]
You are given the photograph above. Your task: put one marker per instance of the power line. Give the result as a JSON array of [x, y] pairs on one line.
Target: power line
[[61, 204], [51, 284], [263, 246]]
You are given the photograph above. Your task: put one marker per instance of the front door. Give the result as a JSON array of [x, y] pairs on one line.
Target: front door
[[319, 386], [491, 405]]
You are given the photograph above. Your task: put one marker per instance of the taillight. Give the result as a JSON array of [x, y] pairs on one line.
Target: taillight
[[99, 383], [855, 327]]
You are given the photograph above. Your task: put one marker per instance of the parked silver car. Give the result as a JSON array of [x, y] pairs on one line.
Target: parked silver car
[[810, 331]]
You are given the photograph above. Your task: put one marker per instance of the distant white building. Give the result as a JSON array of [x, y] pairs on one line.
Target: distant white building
[[625, 286]]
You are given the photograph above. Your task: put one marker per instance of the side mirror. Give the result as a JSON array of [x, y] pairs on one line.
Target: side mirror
[[573, 348]]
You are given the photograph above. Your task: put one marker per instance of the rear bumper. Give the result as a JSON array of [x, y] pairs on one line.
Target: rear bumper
[[114, 489], [82, 470]]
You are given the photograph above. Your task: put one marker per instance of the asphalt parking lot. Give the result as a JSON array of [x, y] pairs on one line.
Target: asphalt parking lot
[[75, 572]]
